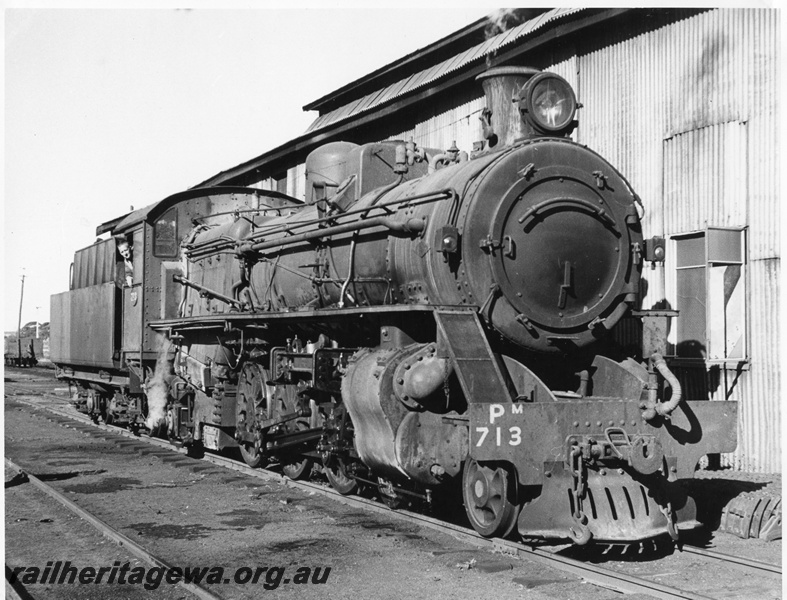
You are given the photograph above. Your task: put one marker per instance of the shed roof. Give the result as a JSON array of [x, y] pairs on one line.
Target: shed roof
[[430, 75], [414, 63]]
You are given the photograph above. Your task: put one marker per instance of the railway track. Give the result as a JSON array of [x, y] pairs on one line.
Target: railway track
[[109, 532], [592, 573]]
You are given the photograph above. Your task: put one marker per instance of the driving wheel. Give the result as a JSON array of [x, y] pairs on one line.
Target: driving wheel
[[294, 466], [338, 439], [299, 468], [251, 406]]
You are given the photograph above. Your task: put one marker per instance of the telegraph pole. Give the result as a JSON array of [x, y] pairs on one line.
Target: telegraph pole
[[19, 323]]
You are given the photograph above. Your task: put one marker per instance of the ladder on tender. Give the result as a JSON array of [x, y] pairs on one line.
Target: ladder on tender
[[476, 366]]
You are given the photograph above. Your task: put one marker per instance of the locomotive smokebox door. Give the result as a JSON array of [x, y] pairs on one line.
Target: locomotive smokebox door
[[577, 245], [560, 245]]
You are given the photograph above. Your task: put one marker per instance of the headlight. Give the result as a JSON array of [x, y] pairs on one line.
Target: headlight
[[548, 103]]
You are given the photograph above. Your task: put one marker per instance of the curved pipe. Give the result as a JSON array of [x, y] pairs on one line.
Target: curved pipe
[[436, 160], [349, 275], [664, 408], [387, 189], [242, 285]]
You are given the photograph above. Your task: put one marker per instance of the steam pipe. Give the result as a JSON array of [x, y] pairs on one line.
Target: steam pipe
[[207, 292], [436, 160], [349, 274], [653, 408], [387, 189], [413, 225], [428, 196], [242, 284]]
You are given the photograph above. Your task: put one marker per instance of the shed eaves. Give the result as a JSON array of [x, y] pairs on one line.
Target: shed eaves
[[432, 74]]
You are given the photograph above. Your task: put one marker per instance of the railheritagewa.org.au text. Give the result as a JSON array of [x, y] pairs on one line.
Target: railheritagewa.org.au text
[[64, 573]]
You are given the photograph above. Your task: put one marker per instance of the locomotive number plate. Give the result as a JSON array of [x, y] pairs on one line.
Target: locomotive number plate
[[494, 431], [210, 437]]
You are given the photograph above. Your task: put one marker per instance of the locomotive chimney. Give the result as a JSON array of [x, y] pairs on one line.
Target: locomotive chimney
[[501, 120]]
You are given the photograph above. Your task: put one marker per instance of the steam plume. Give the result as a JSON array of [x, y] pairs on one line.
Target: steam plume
[[501, 20], [157, 387]]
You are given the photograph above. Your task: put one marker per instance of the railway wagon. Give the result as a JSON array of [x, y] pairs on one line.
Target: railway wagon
[[32, 350]]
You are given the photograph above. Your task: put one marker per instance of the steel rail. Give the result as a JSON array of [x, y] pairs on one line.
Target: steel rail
[[10, 591], [746, 562], [108, 531], [607, 578]]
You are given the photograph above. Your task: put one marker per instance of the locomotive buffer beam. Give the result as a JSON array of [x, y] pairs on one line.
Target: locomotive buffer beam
[[479, 373]]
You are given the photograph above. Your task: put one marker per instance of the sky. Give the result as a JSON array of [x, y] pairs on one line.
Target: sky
[[113, 108]]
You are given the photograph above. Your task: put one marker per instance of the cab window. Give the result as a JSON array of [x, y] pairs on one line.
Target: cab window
[[165, 235]]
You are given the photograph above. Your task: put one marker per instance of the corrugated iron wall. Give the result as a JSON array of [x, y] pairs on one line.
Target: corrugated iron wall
[[460, 124], [688, 113]]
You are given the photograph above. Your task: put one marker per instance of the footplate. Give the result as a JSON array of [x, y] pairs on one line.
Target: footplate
[[613, 506]]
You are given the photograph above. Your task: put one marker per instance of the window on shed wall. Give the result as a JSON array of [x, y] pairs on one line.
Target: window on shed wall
[[710, 294]]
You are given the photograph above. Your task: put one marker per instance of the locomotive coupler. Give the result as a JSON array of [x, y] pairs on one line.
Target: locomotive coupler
[[643, 453]]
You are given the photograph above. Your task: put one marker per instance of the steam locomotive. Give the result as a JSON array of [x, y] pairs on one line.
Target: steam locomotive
[[424, 322]]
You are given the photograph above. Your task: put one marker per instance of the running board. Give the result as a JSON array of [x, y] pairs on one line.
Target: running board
[[479, 373]]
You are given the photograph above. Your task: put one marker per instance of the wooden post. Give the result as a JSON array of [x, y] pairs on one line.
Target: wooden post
[[19, 324]]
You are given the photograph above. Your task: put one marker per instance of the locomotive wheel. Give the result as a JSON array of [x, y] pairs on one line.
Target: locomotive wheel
[[339, 434], [294, 466], [159, 430], [299, 469], [388, 494], [490, 498], [337, 476], [250, 407]]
